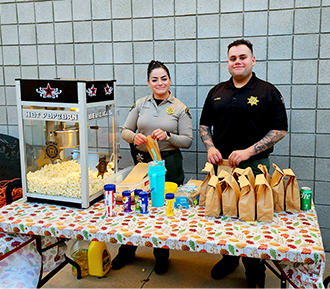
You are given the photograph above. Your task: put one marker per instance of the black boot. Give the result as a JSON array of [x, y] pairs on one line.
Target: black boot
[[126, 254], [161, 256], [254, 272], [225, 266]]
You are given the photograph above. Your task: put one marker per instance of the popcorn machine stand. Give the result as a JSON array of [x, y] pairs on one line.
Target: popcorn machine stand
[[68, 139]]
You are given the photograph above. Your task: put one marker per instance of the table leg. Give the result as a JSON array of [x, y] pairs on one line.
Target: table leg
[[43, 281], [278, 275]]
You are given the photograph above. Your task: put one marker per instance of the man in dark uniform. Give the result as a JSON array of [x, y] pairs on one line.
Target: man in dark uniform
[[247, 117]]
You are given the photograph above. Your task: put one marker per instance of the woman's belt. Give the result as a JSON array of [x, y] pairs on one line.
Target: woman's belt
[[168, 153]]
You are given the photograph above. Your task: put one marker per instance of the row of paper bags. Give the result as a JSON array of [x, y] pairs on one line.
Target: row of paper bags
[[238, 194]]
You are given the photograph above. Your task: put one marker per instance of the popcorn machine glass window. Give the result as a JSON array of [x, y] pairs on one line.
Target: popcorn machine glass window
[[68, 139]]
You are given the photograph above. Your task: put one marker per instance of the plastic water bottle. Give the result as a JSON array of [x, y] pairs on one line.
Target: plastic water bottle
[[79, 254]]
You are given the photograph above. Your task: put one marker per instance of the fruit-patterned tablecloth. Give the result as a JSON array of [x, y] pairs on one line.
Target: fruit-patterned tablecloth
[[293, 239]]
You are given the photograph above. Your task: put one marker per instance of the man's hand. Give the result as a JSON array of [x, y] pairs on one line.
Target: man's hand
[[214, 156], [238, 156], [140, 139]]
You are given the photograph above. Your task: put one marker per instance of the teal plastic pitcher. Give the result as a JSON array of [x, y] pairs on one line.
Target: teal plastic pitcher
[[156, 172]]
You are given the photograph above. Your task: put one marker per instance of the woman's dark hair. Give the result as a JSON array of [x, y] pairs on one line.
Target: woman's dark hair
[[157, 64], [241, 42]]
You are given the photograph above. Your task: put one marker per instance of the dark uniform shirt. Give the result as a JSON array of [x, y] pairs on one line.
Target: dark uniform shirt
[[240, 117]]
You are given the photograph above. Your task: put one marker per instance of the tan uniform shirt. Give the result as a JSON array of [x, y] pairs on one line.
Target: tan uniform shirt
[[171, 115]]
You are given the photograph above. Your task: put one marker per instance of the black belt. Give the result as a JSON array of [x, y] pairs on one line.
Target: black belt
[[169, 153]]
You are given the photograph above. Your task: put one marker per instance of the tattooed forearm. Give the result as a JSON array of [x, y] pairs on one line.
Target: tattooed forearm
[[206, 136], [269, 140]]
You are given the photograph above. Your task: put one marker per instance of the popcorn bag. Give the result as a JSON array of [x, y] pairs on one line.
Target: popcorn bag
[[203, 189], [250, 176], [237, 173], [265, 203], [246, 203], [213, 198], [222, 174], [230, 196], [292, 194], [278, 187], [265, 172], [152, 144], [225, 167]]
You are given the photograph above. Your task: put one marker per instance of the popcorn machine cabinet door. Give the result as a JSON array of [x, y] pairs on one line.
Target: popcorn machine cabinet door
[[68, 139]]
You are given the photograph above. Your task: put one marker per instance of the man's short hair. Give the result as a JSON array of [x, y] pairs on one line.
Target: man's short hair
[[241, 42]]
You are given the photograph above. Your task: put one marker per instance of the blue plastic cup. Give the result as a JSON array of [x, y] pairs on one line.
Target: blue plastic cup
[[156, 173]]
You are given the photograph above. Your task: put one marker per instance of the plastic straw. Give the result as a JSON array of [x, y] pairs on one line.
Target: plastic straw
[[154, 156]]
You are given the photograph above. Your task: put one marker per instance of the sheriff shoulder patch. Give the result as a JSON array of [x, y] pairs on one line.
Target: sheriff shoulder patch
[[188, 112], [133, 106]]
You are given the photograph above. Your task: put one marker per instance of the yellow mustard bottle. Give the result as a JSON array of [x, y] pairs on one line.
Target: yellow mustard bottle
[[99, 259], [170, 198]]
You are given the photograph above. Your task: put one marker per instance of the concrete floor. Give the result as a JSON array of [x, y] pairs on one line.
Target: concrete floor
[[187, 270]]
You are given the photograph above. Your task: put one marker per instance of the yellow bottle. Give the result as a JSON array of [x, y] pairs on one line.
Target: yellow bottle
[[99, 259], [170, 198]]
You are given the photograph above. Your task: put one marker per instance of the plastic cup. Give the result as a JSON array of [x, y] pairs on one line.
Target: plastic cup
[[170, 188], [156, 173]]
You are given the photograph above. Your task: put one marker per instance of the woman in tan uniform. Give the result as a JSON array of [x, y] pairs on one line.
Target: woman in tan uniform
[[168, 120]]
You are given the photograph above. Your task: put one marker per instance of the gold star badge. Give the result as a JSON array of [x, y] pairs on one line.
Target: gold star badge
[[42, 160], [253, 100], [52, 151], [170, 110], [102, 166]]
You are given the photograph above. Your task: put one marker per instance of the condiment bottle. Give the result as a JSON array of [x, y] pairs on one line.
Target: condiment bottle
[[99, 259], [169, 204], [127, 201], [137, 199], [110, 199], [144, 202]]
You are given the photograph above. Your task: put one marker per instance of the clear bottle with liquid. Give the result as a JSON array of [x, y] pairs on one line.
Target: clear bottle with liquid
[[79, 254]]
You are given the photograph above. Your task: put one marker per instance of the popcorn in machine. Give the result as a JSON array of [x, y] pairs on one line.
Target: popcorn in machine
[[68, 139]]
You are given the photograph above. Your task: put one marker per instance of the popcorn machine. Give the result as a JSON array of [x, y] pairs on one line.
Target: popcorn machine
[[68, 139]]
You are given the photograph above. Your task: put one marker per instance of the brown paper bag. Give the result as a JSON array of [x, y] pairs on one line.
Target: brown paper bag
[[225, 166], [246, 203], [245, 172], [230, 196], [237, 172], [265, 172], [277, 184], [203, 189], [292, 194], [213, 198], [153, 144], [222, 174], [265, 204]]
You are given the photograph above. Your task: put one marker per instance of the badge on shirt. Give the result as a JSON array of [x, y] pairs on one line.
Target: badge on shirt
[[253, 100], [133, 106], [170, 110], [188, 112]]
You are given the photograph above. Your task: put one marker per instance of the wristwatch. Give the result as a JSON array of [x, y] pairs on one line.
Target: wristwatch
[[168, 135]]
